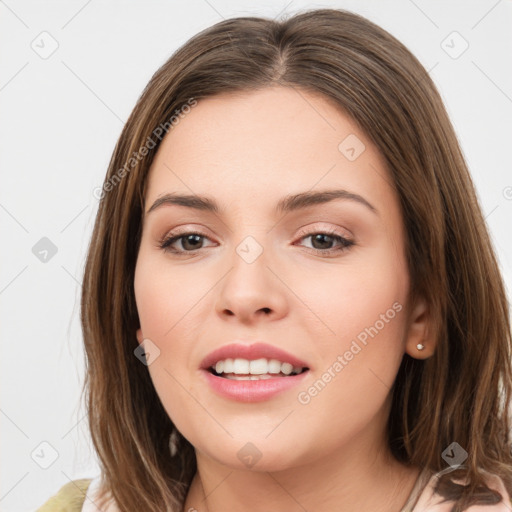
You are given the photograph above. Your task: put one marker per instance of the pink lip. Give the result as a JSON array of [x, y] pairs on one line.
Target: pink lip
[[251, 352], [251, 390]]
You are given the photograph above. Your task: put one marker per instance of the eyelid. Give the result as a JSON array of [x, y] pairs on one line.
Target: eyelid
[[184, 230], [337, 231]]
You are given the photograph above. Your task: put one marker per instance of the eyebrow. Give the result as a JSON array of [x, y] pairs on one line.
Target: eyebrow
[[286, 204]]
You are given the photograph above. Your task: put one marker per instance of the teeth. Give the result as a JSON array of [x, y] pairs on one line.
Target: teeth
[[286, 368], [241, 366], [258, 367], [274, 366], [262, 368]]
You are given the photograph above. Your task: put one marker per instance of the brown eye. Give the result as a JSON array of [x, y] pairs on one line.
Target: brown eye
[[322, 242], [190, 242]]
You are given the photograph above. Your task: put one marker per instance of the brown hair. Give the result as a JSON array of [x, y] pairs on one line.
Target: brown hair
[[460, 394]]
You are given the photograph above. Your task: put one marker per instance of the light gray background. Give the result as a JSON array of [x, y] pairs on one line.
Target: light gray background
[[60, 118]]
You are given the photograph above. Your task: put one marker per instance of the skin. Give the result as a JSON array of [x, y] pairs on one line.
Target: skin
[[248, 150]]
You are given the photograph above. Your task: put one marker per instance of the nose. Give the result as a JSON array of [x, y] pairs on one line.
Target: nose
[[252, 291]]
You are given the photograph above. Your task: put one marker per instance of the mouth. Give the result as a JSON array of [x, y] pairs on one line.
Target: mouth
[[255, 360], [252, 373], [255, 369]]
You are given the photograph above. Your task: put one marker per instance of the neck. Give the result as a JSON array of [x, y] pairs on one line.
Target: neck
[[348, 479]]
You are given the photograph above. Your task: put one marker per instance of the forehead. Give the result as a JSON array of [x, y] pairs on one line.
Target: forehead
[[248, 146]]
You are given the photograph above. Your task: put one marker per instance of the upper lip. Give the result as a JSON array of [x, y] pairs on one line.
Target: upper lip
[[252, 351]]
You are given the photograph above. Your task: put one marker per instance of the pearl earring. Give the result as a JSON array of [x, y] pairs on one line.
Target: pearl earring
[[419, 346], [173, 442]]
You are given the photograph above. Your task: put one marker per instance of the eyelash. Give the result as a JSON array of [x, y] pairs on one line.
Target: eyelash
[[166, 242]]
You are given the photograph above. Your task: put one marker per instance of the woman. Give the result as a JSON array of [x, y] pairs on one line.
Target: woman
[[265, 370]]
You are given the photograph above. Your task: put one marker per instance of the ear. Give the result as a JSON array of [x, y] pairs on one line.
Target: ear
[[140, 338], [420, 331]]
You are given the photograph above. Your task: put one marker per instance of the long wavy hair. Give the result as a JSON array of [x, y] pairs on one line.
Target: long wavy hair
[[462, 393]]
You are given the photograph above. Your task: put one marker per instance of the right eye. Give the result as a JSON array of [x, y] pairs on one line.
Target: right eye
[[190, 242]]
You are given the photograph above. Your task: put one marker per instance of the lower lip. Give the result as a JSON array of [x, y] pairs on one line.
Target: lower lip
[[251, 390]]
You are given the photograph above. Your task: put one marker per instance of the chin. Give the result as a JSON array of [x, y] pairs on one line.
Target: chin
[[257, 454]]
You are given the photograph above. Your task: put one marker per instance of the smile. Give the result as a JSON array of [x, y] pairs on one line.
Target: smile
[[256, 369], [252, 373]]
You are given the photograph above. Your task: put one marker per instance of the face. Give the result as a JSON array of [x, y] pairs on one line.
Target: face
[[324, 281]]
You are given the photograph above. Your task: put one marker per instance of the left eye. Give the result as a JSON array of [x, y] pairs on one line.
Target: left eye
[[328, 238]]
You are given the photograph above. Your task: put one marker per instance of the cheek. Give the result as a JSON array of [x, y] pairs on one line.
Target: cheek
[[366, 292], [166, 297], [171, 311], [362, 308]]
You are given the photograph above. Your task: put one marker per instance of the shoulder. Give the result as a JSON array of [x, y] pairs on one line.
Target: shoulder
[[69, 498], [429, 501]]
